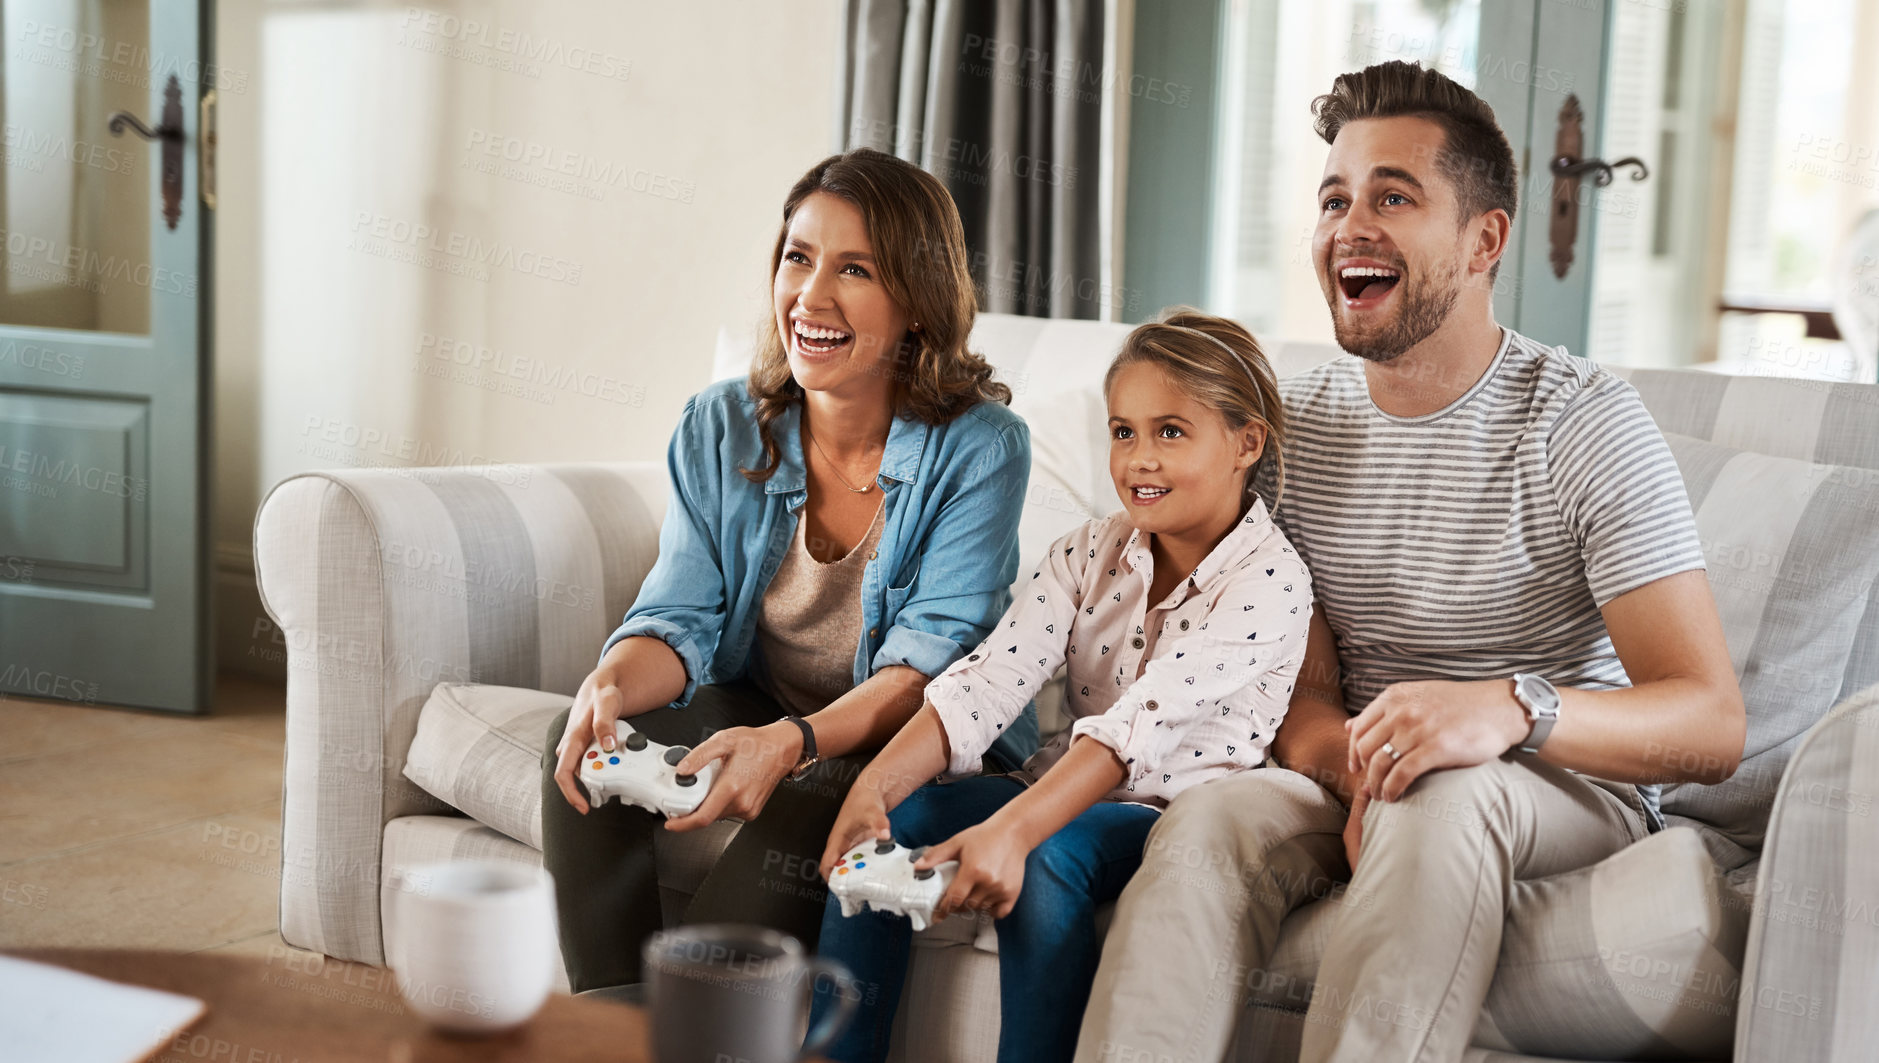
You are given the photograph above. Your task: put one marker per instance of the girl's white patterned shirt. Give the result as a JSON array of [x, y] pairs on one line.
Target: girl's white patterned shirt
[[1187, 690]]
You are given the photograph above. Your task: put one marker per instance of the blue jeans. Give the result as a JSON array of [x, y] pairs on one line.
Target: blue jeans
[[1047, 946]]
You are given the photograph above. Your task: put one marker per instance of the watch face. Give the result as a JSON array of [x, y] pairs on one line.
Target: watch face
[[1539, 693]]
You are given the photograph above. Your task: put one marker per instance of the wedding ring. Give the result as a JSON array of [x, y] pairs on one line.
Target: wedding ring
[[1391, 750]]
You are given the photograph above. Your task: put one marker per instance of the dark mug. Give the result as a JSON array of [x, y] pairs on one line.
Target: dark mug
[[726, 991]]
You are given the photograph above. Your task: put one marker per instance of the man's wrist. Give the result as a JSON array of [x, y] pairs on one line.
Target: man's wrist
[[1520, 723]]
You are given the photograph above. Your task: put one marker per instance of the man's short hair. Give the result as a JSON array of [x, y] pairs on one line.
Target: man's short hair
[[1475, 155]]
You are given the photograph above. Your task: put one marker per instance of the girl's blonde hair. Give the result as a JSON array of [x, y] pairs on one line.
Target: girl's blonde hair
[[1218, 364]]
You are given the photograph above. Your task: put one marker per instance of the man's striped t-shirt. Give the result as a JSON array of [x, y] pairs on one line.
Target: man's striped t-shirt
[[1482, 539]]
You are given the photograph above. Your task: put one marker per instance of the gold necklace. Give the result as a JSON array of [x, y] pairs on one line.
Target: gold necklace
[[836, 469]]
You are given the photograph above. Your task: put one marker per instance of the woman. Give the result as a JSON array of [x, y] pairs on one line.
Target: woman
[[842, 526]]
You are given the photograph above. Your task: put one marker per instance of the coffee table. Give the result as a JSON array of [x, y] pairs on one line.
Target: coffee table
[[291, 1008]]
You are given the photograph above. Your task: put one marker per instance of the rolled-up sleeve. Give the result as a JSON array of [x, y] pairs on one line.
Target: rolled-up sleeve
[[1250, 631], [682, 601], [980, 694], [967, 564]]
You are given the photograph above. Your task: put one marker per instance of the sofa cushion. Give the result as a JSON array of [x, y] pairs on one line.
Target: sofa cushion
[[478, 749], [1792, 549], [1638, 956]]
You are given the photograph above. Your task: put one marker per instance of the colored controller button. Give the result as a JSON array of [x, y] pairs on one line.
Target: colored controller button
[[860, 866], [883, 847], [676, 754], [636, 741], [593, 753], [854, 856], [613, 760], [841, 871]]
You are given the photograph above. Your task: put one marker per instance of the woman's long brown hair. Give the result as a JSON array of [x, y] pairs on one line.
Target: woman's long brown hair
[[920, 258]]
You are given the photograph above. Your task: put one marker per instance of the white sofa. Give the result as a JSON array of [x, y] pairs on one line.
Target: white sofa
[[436, 620]]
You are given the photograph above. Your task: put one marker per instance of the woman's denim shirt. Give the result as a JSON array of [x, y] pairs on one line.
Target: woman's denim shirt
[[939, 579]]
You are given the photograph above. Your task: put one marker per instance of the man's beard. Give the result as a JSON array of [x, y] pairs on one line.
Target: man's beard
[[1426, 303]]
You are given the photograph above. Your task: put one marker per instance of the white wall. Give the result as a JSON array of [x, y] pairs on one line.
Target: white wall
[[382, 299]]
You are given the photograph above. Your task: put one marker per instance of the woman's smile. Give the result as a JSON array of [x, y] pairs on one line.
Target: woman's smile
[[818, 341]]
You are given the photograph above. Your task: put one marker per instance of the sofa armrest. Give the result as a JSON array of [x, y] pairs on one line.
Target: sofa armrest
[[385, 582], [1808, 976]]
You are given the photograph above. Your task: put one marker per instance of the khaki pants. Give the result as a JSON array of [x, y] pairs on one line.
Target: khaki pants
[[1404, 973]]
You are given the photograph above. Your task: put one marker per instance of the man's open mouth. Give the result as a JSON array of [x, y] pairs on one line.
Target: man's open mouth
[[1366, 284]]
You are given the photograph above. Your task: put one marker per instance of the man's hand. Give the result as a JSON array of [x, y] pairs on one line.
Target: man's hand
[[1354, 827], [752, 761], [1430, 725]]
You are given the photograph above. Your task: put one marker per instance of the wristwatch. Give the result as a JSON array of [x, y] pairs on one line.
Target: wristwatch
[[1541, 701], [810, 758]]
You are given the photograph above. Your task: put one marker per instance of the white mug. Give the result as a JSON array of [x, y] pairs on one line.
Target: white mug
[[473, 944]]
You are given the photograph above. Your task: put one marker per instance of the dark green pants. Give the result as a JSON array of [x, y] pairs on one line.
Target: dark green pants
[[606, 882]]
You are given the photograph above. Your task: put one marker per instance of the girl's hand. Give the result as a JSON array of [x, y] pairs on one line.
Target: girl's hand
[[991, 869], [863, 818], [752, 760]]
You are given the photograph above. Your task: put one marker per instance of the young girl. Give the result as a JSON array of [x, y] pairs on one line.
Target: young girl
[[1182, 622]]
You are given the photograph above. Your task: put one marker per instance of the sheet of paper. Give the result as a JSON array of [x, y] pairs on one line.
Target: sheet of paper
[[53, 1015]]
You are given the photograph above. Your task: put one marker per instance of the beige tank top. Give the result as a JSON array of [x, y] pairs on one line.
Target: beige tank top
[[809, 623]]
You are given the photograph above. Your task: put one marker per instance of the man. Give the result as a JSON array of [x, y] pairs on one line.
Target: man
[[1474, 506]]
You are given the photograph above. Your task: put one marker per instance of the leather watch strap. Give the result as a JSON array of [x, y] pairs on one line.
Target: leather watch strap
[[809, 755]]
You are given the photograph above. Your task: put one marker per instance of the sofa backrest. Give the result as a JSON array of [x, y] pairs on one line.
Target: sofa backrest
[[1802, 635], [1716, 424], [1783, 476]]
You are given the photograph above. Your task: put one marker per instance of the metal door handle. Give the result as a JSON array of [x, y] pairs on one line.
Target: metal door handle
[[170, 134], [1567, 168], [1601, 171]]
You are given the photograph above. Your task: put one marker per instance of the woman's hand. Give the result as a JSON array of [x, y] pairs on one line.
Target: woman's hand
[[991, 869], [658, 677], [751, 761], [596, 706], [863, 818]]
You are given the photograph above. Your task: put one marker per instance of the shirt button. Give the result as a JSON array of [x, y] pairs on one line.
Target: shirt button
[[1183, 625], [872, 554], [873, 632], [1136, 642], [1152, 705]]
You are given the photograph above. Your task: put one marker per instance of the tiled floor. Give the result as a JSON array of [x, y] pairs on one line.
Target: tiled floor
[[177, 847]]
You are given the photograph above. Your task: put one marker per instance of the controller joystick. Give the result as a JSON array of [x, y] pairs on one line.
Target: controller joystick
[[643, 773], [875, 877]]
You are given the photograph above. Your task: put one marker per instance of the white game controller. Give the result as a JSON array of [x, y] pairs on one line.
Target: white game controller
[[642, 772], [882, 875]]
